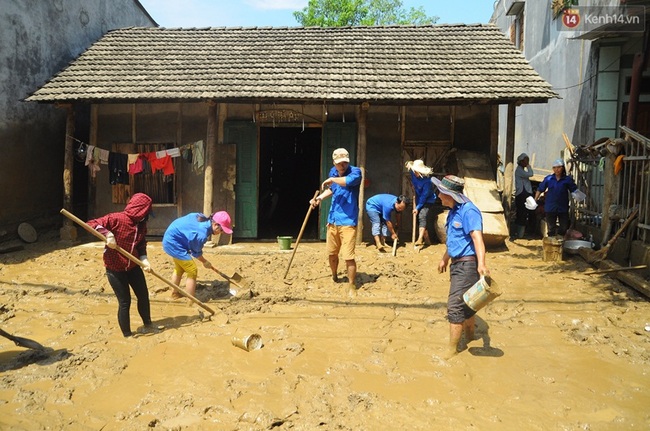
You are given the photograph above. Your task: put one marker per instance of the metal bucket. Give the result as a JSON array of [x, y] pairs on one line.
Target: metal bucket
[[482, 293]]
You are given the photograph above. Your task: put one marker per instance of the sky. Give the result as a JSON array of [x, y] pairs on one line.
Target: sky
[[279, 13]]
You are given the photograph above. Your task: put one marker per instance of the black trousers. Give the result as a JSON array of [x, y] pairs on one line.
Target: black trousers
[[120, 282]]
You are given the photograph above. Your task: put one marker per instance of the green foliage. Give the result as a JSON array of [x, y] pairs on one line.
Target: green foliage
[[343, 13]]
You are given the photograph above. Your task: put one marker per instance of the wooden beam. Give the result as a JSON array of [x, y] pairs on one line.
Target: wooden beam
[[509, 161], [362, 121]]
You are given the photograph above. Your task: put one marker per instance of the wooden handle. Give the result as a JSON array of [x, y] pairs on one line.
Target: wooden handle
[[226, 277], [134, 259], [302, 229], [415, 219]]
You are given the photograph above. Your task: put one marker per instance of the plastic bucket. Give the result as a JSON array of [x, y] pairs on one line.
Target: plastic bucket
[[482, 293], [285, 242], [247, 341]]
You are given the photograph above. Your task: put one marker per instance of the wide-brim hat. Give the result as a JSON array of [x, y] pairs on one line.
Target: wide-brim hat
[[453, 186], [419, 167]]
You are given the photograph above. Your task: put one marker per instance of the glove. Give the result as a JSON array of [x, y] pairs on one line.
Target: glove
[[110, 241], [207, 264], [146, 266]]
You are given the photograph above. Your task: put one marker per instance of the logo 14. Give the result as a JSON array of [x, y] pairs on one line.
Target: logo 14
[[571, 18]]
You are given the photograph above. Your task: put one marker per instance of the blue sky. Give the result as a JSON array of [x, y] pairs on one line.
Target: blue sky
[[235, 13]]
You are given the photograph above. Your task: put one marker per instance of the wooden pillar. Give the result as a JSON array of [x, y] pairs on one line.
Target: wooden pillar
[[509, 162], [362, 117], [92, 180], [68, 231], [210, 150], [610, 195]]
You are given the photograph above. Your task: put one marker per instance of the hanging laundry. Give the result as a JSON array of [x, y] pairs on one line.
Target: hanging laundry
[[103, 156], [135, 164], [164, 164], [198, 153], [117, 168]]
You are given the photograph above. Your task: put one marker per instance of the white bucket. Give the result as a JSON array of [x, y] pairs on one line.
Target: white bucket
[[482, 293], [247, 341]]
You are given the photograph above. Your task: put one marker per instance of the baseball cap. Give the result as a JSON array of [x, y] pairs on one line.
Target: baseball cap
[[223, 219], [340, 155]]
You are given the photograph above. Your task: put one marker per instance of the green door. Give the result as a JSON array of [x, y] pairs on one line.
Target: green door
[[335, 135], [244, 135]]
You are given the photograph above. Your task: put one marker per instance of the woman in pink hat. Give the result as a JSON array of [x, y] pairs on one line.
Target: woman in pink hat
[[184, 240]]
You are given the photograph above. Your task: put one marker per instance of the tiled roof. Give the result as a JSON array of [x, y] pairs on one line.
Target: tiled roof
[[407, 64]]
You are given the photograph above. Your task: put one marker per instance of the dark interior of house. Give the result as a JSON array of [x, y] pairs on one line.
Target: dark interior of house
[[289, 174]]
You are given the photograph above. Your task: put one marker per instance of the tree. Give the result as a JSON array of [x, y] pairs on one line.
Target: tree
[[342, 13]]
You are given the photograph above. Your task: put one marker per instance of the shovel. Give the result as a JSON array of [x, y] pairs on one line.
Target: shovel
[[415, 226], [22, 342], [395, 247], [236, 279], [302, 230], [137, 261]]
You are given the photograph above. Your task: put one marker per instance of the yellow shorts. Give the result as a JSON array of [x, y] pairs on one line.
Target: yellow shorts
[[341, 239], [185, 266]]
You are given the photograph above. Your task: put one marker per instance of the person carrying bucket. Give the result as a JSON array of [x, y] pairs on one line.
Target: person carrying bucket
[[380, 209], [184, 239], [466, 251]]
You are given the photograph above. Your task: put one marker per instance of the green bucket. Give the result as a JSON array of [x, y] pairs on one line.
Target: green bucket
[[285, 242]]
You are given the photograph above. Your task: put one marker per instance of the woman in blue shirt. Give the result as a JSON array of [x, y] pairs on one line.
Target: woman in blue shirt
[[556, 188]]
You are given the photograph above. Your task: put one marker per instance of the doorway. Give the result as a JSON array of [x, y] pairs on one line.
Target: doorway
[[289, 174]]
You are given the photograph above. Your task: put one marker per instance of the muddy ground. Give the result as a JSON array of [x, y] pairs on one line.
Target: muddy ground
[[559, 350]]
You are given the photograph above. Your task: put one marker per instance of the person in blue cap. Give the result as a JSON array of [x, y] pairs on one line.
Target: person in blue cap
[[380, 209], [556, 188], [466, 251]]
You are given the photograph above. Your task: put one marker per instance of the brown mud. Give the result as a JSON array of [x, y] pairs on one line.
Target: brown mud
[[558, 350]]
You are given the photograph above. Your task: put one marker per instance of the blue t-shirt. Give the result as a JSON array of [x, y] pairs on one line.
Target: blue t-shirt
[[461, 221], [186, 236], [556, 192], [345, 199], [423, 191], [383, 204]]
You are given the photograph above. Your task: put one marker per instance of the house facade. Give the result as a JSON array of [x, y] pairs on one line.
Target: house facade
[[263, 108], [38, 40]]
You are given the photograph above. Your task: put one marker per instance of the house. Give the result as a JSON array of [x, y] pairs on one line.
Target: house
[[264, 108], [599, 69], [39, 39]]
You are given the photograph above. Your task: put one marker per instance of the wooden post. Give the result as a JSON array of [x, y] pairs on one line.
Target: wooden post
[[509, 162], [68, 231], [210, 149], [362, 117], [92, 180]]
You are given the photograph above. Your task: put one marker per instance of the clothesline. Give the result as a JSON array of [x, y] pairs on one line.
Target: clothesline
[[123, 165]]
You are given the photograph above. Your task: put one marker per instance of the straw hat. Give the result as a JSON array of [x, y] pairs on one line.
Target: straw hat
[[419, 167]]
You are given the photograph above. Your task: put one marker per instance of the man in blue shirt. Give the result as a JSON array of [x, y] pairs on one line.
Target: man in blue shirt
[[342, 185], [556, 188], [380, 209], [466, 250]]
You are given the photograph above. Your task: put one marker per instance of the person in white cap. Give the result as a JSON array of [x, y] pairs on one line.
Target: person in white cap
[[425, 197], [556, 188], [184, 240], [342, 185], [466, 251], [523, 189]]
